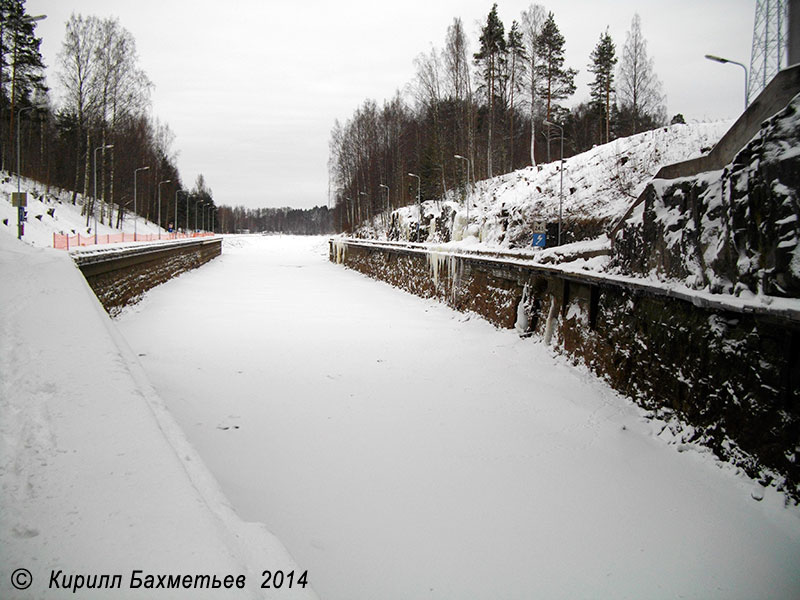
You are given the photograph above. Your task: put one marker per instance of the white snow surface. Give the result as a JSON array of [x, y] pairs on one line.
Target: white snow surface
[[403, 450], [96, 477], [600, 183], [66, 217]]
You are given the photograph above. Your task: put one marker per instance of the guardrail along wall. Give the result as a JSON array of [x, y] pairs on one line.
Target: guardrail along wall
[[733, 373], [63, 241], [119, 277]]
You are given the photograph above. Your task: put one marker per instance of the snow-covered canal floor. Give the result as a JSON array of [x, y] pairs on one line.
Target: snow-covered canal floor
[[400, 449]]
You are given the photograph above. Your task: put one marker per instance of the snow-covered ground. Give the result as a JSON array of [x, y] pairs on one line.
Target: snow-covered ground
[[95, 476], [53, 212], [598, 184], [402, 450]]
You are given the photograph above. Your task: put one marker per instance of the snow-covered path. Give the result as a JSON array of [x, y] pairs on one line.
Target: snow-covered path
[[401, 450], [96, 479]]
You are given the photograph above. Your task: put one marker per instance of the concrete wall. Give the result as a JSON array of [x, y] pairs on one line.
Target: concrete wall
[[778, 93], [733, 375], [120, 277]]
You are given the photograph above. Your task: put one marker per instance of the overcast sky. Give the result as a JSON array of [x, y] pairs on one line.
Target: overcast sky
[[251, 88]]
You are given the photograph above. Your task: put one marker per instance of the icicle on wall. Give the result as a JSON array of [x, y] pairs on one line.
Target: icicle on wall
[[340, 250], [437, 263]]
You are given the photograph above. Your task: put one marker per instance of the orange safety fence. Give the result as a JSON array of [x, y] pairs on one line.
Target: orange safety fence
[[63, 241]]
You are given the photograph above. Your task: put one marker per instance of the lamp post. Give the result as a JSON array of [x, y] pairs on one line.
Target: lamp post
[[386, 221], [106, 147], [386, 187], [20, 208], [196, 202], [466, 160], [188, 200], [719, 59], [419, 203], [360, 193], [19, 120], [160, 183], [135, 214], [561, 169], [176, 212]]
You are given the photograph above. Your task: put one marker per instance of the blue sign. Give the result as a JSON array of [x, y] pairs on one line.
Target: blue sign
[[539, 240]]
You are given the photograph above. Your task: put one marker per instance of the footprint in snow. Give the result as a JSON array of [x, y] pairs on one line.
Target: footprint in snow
[[25, 532]]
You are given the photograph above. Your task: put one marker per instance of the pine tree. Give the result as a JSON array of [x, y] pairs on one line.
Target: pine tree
[[602, 65], [21, 66], [556, 82], [490, 56], [516, 65]]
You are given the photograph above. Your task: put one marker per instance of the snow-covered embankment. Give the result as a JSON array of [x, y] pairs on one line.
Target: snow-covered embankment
[[96, 477]]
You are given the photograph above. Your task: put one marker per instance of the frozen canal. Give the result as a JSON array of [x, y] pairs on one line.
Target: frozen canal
[[401, 450]]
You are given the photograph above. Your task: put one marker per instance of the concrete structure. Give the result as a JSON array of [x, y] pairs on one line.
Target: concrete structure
[[778, 93]]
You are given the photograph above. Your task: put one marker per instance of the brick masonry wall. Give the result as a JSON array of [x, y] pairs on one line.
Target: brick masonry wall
[[123, 278]]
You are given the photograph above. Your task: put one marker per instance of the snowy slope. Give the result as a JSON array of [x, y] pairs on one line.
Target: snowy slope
[[65, 218], [599, 184], [96, 477]]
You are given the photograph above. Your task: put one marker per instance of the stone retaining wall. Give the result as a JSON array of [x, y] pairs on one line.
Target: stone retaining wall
[[120, 277]]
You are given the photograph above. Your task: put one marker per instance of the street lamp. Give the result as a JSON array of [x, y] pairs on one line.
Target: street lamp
[[360, 193], [386, 187], [19, 120], [20, 208], [135, 214], [195, 212], [106, 147], [419, 204], [188, 200], [458, 156], [561, 169], [160, 183], [176, 210], [719, 59]]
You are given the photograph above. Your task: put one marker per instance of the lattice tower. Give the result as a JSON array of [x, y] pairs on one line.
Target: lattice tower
[[770, 43]]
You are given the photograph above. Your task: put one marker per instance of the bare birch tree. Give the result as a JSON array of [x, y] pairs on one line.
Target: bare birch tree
[[78, 65], [638, 87], [532, 21]]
